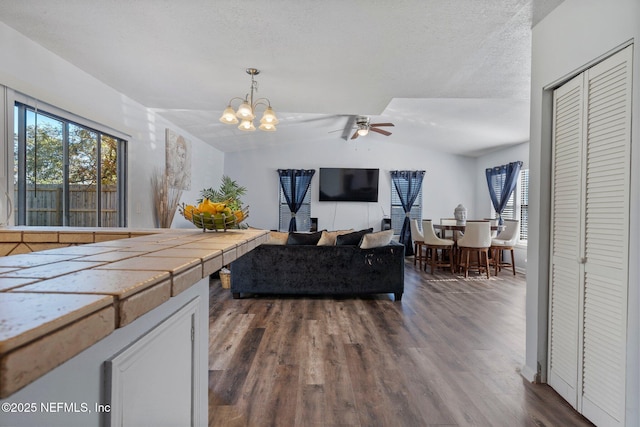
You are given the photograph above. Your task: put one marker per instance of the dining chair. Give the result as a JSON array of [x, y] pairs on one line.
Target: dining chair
[[418, 243], [433, 245], [477, 240], [494, 223], [505, 241]]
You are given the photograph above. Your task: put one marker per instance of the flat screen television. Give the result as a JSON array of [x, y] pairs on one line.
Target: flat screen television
[[348, 185]]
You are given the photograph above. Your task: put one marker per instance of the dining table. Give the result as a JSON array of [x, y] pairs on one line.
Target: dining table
[[461, 228]]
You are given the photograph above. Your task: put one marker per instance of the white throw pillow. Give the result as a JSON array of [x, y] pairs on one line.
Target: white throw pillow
[[278, 238], [376, 240], [328, 238]]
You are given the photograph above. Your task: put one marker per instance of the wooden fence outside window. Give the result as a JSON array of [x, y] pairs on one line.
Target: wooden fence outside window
[[45, 205]]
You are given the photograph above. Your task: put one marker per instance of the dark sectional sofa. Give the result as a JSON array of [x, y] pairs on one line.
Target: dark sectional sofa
[[319, 270]]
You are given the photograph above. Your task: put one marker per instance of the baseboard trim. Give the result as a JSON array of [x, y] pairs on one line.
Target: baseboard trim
[[529, 374]]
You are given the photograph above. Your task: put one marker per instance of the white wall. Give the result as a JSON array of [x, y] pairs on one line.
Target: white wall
[[30, 69], [573, 36], [449, 179]]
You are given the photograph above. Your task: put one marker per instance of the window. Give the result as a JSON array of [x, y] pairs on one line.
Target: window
[[397, 212], [518, 204], [524, 205], [303, 217], [65, 173]]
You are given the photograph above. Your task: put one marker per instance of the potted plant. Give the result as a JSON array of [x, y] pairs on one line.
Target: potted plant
[[230, 192]]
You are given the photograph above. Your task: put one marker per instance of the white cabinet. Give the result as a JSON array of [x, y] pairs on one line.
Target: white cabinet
[[169, 377], [153, 380], [589, 239]]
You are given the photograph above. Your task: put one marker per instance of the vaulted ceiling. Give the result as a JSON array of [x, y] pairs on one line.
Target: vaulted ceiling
[[453, 75]]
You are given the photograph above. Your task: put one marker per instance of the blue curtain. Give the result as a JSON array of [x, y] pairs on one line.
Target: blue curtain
[[407, 184], [502, 181], [295, 183]]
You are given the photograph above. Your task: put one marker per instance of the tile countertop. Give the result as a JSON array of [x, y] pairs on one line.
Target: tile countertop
[[58, 302]]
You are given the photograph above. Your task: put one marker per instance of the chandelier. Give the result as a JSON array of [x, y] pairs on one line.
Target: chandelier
[[246, 111]]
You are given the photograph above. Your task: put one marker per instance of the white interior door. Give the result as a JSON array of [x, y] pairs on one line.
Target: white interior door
[[566, 243], [607, 180], [590, 240]]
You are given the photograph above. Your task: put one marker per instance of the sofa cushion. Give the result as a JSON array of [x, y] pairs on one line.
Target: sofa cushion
[[277, 238], [352, 239], [304, 238], [328, 238], [376, 240]]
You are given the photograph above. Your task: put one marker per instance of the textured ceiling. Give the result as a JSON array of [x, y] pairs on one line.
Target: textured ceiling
[[451, 74]]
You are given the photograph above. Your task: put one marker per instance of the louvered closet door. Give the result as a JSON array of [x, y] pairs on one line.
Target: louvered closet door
[[590, 240], [566, 240], [607, 156]]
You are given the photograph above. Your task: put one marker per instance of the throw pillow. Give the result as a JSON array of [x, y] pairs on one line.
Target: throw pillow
[[328, 238], [304, 238], [352, 239], [376, 240], [277, 238]]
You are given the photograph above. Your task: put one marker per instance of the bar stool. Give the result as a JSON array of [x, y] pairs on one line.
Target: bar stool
[[418, 243], [434, 243], [494, 223], [505, 241], [476, 239]]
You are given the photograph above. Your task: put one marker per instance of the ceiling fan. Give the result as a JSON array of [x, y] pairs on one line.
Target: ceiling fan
[[363, 126]]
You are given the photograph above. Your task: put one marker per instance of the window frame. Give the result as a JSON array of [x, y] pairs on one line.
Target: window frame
[[523, 202], [516, 204], [21, 104]]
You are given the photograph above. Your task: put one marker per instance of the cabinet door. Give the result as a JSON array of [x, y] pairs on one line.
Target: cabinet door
[[564, 316], [151, 382]]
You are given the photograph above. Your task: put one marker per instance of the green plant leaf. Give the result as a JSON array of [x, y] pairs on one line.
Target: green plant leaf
[[230, 192]]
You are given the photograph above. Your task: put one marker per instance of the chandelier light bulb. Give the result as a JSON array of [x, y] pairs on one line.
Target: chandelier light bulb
[[269, 116], [267, 127], [363, 131], [247, 125], [245, 112], [229, 116]]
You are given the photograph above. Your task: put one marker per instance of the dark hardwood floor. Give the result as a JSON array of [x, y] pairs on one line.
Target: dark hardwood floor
[[449, 354]]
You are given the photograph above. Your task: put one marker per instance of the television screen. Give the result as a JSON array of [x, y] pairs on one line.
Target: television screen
[[348, 185]]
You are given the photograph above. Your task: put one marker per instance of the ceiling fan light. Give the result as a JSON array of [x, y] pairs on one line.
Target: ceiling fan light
[[245, 112], [247, 125], [269, 117], [363, 131], [267, 127], [229, 116]]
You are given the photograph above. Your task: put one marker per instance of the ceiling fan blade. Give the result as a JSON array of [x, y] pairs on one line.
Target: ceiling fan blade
[[382, 124], [384, 132], [324, 117], [348, 127], [355, 135]]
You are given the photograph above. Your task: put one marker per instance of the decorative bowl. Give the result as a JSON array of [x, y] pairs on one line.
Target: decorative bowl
[[216, 222]]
